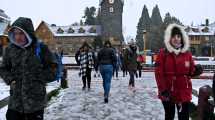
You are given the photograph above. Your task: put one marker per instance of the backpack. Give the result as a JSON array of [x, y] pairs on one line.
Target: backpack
[[58, 58]]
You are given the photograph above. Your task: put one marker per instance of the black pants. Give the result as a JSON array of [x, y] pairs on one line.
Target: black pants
[[115, 71], [138, 73], [169, 108], [87, 78], [14, 115], [124, 72], [131, 81]]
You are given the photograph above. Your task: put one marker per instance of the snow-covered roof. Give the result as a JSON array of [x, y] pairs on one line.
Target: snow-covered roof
[[201, 30], [3, 15], [3, 27], [70, 30], [100, 1]]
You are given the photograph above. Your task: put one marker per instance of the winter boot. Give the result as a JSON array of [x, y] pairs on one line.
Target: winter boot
[[106, 100], [84, 88]]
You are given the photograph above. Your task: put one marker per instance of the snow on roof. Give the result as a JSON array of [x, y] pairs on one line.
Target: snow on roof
[[3, 15], [70, 30], [3, 27], [201, 30]]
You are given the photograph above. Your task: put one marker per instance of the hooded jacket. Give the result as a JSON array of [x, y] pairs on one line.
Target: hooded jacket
[[130, 59], [174, 68], [22, 65]]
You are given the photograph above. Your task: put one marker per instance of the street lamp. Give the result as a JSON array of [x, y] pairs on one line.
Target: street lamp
[[212, 38], [144, 38]]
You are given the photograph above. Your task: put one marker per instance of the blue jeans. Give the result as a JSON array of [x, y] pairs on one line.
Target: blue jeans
[[106, 72]]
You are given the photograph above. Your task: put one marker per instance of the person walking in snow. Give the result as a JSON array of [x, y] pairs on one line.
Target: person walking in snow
[[174, 68], [130, 61], [77, 56], [26, 74], [86, 61], [140, 61], [106, 63], [123, 67], [97, 74], [118, 64]]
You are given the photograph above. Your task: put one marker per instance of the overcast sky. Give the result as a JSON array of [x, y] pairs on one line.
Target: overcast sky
[[66, 12]]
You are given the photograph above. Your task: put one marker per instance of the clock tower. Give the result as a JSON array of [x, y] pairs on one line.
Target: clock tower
[[111, 20]]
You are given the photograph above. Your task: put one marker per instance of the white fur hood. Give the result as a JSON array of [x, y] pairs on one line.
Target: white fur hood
[[167, 37]]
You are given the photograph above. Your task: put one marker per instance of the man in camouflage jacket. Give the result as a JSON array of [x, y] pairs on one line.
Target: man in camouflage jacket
[[25, 72]]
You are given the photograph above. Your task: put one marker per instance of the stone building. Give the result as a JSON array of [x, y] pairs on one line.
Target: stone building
[[70, 38], [111, 20], [4, 25], [66, 38], [202, 39]]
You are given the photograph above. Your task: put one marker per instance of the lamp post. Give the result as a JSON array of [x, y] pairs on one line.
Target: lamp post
[[212, 44], [144, 38]]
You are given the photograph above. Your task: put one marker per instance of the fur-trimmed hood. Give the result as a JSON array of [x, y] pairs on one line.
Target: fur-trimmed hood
[[167, 38]]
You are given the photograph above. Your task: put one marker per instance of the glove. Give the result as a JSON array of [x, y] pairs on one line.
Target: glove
[[166, 94], [198, 70]]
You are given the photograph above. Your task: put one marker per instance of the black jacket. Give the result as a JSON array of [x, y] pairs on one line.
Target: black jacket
[[107, 56]]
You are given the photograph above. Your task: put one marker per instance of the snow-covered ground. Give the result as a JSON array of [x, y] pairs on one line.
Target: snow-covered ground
[[4, 92], [75, 104]]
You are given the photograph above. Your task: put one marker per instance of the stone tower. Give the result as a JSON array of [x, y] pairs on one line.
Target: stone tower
[[111, 20]]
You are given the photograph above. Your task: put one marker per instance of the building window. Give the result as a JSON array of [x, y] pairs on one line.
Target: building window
[[81, 30], [111, 1], [59, 30], [111, 9], [92, 30], [71, 30]]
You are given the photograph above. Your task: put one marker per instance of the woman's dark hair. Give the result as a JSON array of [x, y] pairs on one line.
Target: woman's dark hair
[[85, 44], [107, 43], [177, 31]]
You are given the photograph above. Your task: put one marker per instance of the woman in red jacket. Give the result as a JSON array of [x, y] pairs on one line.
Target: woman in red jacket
[[174, 67]]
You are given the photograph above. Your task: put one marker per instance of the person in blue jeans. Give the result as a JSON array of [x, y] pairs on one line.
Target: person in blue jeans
[[106, 63]]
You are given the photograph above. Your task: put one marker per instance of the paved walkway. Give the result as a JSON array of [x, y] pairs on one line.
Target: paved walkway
[[75, 104]]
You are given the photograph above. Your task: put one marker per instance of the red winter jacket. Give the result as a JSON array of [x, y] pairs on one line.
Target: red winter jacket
[[172, 73]]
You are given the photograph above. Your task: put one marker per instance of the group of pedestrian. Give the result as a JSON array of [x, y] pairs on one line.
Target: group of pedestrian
[[26, 71]]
